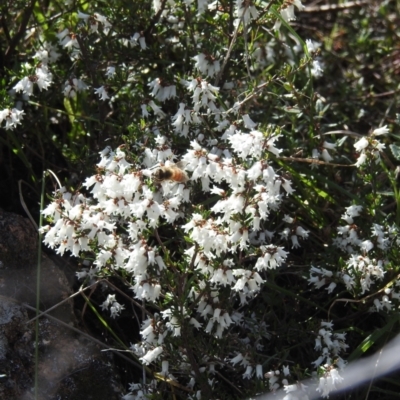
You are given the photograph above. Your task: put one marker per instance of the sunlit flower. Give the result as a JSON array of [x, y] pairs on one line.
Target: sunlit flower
[[380, 131]]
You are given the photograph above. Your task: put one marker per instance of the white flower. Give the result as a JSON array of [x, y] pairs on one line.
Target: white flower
[[145, 113], [288, 219], [246, 10], [204, 93], [157, 5], [331, 287], [295, 242], [248, 373], [207, 65], [329, 382], [288, 13], [195, 323], [83, 16], [110, 72], [248, 122], [380, 131], [73, 86], [12, 117], [138, 38], [302, 232], [366, 245], [101, 91], [164, 368], [317, 69], [157, 110], [115, 307], [238, 358], [161, 91], [326, 156], [152, 355], [361, 144], [287, 185], [312, 46], [44, 77], [315, 153], [103, 20], [354, 210], [270, 145], [328, 145], [361, 160], [25, 85]]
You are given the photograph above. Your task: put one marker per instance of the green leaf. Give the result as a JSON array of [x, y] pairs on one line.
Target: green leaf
[[376, 338], [395, 151]]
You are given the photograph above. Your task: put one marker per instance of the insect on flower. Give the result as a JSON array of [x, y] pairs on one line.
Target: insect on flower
[[172, 172]]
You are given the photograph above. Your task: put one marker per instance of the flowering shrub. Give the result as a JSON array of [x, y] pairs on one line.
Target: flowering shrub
[[213, 213]]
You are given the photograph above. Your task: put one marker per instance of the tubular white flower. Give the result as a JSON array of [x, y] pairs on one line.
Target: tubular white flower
[[152, 355], [361, 144], [102, 92], [239, 357], [380, 131]]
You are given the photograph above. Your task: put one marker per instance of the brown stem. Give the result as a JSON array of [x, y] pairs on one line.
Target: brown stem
[[20, 33], [205, 387]]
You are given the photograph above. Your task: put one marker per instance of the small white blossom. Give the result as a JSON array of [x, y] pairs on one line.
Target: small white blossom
[[102, 92], [207, 65], [136, 39], [380, 131], [246, 10], [74, 86], [361, 144], [110, 72], [152, 355]]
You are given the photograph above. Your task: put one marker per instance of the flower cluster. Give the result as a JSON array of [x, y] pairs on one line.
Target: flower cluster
[[287, 12], [12, 117], [246, 11], [126, 203], [330, 345], [42, 77], [329, 363], [112, 304], [74, 86], [162, 91], [207, 65], [361, 271], [94, 21], [369, 147]]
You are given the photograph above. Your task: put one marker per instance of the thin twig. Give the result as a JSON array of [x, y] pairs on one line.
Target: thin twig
[[366, 297], [229, 382], [334, 7], [22, 201], [341, 132], [250, 96], [88, 287], [21, 31], [62, 302], [228, 54], [314, 161]]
